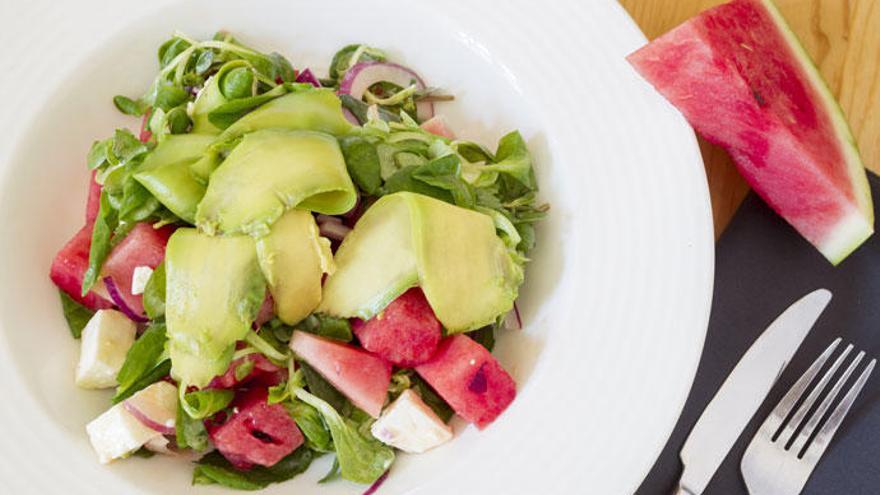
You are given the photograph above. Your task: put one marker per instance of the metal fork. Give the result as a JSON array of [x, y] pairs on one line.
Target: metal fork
[[783, 454]]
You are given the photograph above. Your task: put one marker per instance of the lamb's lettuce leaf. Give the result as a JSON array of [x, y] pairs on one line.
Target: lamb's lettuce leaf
[[215, 469], [76, 314], [143, 363]]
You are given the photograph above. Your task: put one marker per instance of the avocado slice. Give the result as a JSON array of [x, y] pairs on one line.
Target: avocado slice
[[166, 173], [294, 258], [311, 109], [214, 289], [270, 172], [407, 239]]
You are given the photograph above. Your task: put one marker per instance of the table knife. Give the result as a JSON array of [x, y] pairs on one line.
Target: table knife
[[744, 390]]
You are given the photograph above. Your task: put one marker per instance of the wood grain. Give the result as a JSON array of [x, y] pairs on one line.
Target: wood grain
[[842, 37]]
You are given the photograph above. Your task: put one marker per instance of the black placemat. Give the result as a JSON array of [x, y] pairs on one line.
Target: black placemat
[[762, 266]]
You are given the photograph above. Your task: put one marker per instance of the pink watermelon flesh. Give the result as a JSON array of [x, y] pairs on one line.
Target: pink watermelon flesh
[[357, 374], [405, 333], [469, 378], [256, 433], [262, 373], [741, 78], [437, 125], [143, 246], [69, 268]]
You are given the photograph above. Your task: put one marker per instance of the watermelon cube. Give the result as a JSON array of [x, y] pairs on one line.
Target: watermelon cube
[[741, 78], [357, 374], [437, 125], [256, 433], [143, 246], [69, 268], [469, 378], [405, 333]]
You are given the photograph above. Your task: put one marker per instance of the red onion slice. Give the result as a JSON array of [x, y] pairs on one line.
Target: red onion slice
[[119, 301], [306, 76], [147, 421], [365, 74], [376, 484], [145, 133], [155, 407], [334, 230]]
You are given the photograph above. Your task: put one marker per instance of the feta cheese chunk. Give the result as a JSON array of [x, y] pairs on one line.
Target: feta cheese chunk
[[139, 279], [117, 433], [105, 342], [410, 425]]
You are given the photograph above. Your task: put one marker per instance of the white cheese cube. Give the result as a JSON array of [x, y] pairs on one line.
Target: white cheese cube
[[117, 433], [139, 279], [105, 342], [410, 425]]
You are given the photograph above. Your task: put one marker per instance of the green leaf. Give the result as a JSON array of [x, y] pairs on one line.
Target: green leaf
[[309, 421], [432, 399], [169, 95], [98, 153], [128, 106], [322, 388], [445, 173], [137, 204], [205, 403], [513, 159], [237, 83], [342, 59], [154, 293], [243, 369], [126, 146], [359, 109], [473, 152], [215, 469], [282, 67], [204, 61], [327, 326], [332, 474], [159, 372], [190, 432], [362, 458], [76, 314], [177, 120], [484, 336], [143, 356], [102, 232], [171, 49], [362, 162]]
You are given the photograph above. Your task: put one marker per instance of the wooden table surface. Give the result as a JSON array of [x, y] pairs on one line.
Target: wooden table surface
[[843, 38]]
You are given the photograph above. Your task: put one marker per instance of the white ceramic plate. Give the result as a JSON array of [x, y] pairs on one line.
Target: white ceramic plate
[[616, 300]]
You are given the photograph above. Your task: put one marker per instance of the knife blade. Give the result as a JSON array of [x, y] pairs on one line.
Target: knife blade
[[744, 390]]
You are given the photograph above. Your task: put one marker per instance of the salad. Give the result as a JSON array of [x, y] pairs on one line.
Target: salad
[[278, 267]]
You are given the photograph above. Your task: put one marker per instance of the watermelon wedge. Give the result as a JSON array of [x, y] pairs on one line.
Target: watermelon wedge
[[359, 375], [742, 79], [470, 379], [143, 246], [406, 332], [69, 268]]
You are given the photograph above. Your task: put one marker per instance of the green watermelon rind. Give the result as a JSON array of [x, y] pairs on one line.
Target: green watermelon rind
[[851, 232]]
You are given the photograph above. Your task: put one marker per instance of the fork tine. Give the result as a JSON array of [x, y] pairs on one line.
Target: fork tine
[[823, 438], [781, 411], [817, 416], [791, 427]]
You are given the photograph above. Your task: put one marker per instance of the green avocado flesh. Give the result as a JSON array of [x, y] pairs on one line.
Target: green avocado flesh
[[294, 258], [167, 174], [270, 172], [406, 239], [316, 110], [214, 289]]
